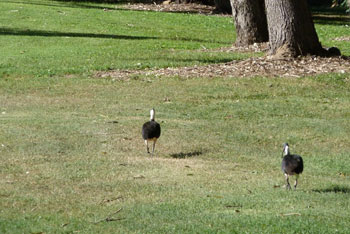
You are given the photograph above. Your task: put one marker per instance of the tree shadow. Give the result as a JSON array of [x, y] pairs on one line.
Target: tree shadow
[[186, 155], [329, 10], [68, 4], [109, 1], [41, 33], [330, 20], [330, 16], [333, 189]]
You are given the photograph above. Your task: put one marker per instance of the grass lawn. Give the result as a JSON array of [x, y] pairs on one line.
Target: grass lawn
[[47, 38], [71, 152]]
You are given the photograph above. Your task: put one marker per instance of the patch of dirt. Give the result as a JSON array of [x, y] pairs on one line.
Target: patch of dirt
[[167, 6], [261, 66], [256, 47]]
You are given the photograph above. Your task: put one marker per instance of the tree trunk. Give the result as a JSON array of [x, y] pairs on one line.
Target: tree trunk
[[291, 29], [250, 21]]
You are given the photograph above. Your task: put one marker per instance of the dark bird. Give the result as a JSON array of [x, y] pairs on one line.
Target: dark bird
[[292, 164], [151, 131]]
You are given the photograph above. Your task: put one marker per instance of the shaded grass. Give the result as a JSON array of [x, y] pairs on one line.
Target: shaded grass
[[331, 24], [186, 155], [334, 189]]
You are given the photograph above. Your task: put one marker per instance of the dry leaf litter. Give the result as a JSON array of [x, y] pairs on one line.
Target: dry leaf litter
[[168, 6], [261, 66]]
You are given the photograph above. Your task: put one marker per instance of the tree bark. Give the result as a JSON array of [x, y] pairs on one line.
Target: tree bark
[[291, 29], [250, 21]]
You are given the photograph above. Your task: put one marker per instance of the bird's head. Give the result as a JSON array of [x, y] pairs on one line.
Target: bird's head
[[285, 149], [152, 113]]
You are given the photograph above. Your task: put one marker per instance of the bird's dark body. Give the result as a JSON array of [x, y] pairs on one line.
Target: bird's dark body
[[292, 164], [151, 130]]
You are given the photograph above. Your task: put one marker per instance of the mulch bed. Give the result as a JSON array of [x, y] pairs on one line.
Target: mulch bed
[[167, 6], [261, 66]]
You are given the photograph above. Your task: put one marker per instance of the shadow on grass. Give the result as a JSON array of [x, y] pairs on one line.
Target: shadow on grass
[[331, 20], [41, 33], [330, 16], [333, 189], [109, 1], [186, 155], [329, 10], [69, 4]]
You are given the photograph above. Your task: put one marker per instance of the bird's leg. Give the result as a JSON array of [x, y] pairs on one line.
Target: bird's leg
[[296, 181], [154, 146], [146, 142], [287, 179]]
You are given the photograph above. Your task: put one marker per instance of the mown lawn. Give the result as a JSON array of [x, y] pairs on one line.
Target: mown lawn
[[47, 38], [71, 150]]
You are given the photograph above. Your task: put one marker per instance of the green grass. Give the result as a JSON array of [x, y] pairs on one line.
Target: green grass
[[217, 162], [46, 38], [331, 24], [71, 150]]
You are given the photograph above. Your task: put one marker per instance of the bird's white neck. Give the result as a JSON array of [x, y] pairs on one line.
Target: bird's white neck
[[152, 114], [286, 150]]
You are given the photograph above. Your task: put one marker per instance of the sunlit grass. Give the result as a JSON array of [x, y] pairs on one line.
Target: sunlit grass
[[72, 156], [46, 38]]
